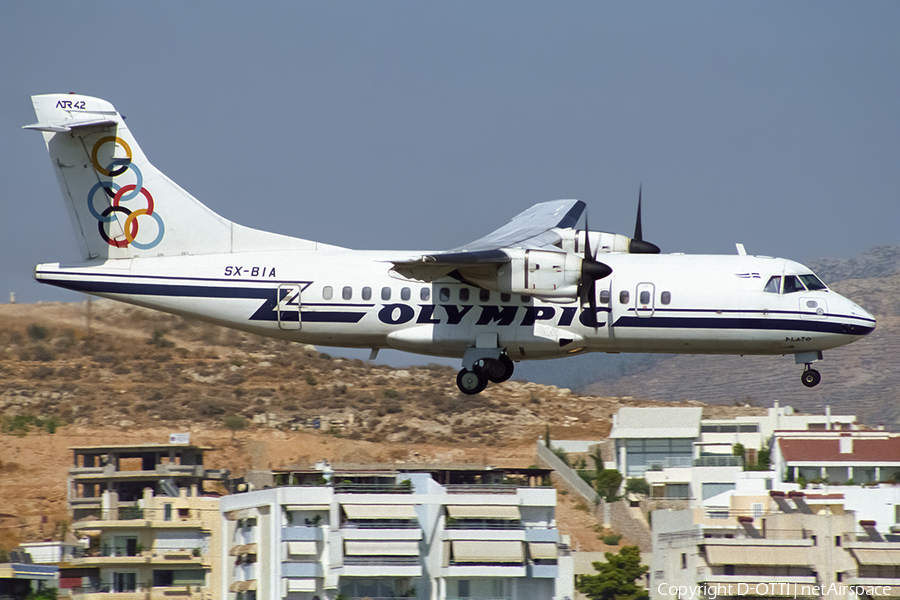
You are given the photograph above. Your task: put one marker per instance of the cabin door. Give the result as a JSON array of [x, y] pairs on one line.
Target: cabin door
[[288, 307]]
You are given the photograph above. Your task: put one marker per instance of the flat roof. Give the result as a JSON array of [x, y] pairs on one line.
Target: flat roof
[[139, 448], [657, 422]]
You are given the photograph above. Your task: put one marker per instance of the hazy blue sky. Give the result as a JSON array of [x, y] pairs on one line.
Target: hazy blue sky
[[427, 124]]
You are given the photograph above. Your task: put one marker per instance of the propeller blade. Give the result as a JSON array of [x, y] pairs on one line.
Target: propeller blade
[[637, 244], [638, 229], [591, 271]]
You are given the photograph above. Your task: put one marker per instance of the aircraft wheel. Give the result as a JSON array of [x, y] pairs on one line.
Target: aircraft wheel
[[499, 370], [471, 382], [810, 378]]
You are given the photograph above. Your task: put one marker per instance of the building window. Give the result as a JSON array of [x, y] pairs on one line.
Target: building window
[[124, 582], [684, 561], [167, 512]]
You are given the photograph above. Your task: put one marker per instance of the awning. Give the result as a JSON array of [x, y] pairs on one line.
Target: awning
[[480, 511], [758, 555], [543, 550], [291, 507], [876, 556], [242, 586], [301, 585], [379, 511], [504, 551], [234, 515], [242, 549], [302, 548], [355, 548]]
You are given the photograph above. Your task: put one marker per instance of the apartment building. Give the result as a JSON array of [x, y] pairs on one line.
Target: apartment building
[[860, 457], [685, 457], [774, 543], [151, 528], [386, 533], [163, 548], [128, 470]]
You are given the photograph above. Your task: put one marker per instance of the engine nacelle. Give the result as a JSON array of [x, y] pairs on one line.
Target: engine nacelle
[[541, 273], [601, 241]]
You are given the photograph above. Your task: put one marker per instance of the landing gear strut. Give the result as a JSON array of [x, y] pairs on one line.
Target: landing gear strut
[[487, 370], [810, 377]]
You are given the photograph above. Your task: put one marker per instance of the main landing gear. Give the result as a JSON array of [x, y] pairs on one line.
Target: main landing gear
[[488, 370]]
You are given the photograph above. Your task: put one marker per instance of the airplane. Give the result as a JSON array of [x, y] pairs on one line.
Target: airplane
[[536, 288]]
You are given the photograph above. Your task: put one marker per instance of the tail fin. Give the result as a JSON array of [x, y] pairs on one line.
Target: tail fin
[[121, 206]]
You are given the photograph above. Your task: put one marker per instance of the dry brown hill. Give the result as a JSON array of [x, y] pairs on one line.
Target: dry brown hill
[[108, 373]]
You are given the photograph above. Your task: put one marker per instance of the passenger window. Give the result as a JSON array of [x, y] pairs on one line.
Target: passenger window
[[385, 293], [645, 297], [327, 292], [367, 293], [665, 298], [347, 292], [526, 299], [792, 284], [484, 295], [624, 297], [505, 297], [604, 296], [773, 286], [464, 295], [444, 294], [425, 294], [404, 293]]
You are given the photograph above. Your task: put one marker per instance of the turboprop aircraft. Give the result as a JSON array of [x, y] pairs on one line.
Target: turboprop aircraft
[[536, 288]]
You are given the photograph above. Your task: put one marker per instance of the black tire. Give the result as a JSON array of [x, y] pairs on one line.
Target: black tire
[[810, 378], [499, 370], [471, 382]]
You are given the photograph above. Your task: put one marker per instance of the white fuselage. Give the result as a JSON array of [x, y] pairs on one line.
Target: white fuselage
[[671, 303]]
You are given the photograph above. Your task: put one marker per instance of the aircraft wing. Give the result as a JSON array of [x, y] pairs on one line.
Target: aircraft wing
[[532, 228]]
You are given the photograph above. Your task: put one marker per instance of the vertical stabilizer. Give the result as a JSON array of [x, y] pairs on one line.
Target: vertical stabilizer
[[121, 206]]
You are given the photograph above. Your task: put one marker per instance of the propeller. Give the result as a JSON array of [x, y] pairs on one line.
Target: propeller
[[637, 244], [591, 271]]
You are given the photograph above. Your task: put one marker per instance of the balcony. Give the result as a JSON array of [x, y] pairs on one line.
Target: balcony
[[293, 533], [381, 566], [302, 569]]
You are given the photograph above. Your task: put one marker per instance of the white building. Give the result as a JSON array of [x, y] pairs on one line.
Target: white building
[[387, 534]]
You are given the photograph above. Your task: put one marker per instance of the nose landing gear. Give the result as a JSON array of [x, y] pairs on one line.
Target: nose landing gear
[[810, 377]]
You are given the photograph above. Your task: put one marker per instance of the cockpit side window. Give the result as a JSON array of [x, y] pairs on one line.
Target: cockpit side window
[[792, 284], [773, 286], [812, 282]]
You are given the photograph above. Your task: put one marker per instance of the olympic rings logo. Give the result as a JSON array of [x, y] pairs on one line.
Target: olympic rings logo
[[121, 194]]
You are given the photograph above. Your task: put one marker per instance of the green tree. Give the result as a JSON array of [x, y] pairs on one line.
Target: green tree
[[607, 484], [637, 485], [615, 579], [235, 423]]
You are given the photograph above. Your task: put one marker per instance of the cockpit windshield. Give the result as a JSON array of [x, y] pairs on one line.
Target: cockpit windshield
[[793, 283]]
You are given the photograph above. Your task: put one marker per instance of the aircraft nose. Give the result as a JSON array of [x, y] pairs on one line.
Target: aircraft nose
[[859, 321]]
